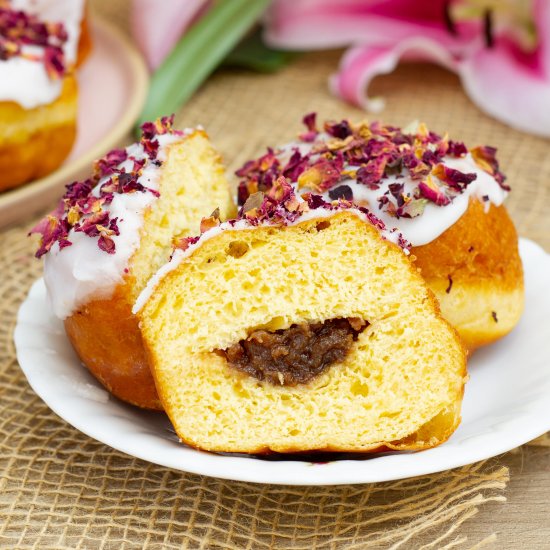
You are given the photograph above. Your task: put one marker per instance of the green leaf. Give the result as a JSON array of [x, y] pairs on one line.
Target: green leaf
[[198, 53], [252, 53]]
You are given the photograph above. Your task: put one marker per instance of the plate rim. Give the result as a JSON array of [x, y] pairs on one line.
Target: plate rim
[[216, 465], [10, 200]]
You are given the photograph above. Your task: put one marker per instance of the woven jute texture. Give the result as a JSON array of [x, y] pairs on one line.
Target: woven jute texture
[[59, 489]]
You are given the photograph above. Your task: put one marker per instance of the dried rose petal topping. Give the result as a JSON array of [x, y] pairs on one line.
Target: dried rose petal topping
[[457, 149], [341, 192], [54, 62], [185, 242], [323, 174], [151, 147], [105, 241], [52, 230], [293, 204], [19, 29], [397, 192], [339, 130], [260, 175], [78, 190], [212, 221], [106, 165], [371, 173], [315, 201], [281, 190], [417, 168], [433, 193], [485, 158], [282, 206], [295, 166], [430, 157], [394, 167], [254, 202], [93, 224], [455, 179], [84, 207], [412, 208], [163, 125], [309, 121], [374, 155]]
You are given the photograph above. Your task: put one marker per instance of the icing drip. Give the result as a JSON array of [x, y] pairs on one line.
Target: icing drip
[[76, 273], [435, 219], [413, 180], [90, 239]]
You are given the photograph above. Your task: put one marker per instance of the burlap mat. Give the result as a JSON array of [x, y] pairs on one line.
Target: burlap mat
[[60, 489]]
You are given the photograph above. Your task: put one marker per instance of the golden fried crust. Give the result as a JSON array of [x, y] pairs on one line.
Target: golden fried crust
[[475, 265], [104, 332], [85, 42], [414, 442], [107, 339], [478, 246], [34, 142]]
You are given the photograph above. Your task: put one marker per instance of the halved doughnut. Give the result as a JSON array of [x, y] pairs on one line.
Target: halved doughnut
[[394, 381]]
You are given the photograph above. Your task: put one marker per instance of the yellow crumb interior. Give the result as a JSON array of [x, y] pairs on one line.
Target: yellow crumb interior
[[192, 186], [401, 383]]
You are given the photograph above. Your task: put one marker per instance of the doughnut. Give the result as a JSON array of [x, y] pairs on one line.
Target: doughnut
[[446, 200], [300, 326], [112, 231], [39, 46]]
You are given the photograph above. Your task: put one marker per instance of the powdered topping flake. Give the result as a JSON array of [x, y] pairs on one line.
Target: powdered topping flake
[[83, 208]]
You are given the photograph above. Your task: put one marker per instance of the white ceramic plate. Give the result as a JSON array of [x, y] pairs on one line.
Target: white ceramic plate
[[113, 85], [507, 401]]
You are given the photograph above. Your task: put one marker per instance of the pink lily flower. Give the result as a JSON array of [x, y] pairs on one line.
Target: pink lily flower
[[502, 74], [157, 26]]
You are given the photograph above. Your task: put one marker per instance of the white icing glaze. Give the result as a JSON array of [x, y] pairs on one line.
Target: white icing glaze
[[436, 219], [81, 271], [25, 81], [241, 225]]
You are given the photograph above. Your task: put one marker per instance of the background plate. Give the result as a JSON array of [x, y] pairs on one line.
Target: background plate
[[113, 85], [506, 403]]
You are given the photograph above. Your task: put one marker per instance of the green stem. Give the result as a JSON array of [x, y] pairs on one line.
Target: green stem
[[198, 53]]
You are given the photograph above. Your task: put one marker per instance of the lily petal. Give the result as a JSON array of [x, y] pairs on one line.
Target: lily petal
[[157, 26], [511, 85], [361, 64], [504, 80], [322, 24]]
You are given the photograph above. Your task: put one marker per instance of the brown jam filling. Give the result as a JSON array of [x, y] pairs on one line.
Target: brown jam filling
[[295, 355]]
